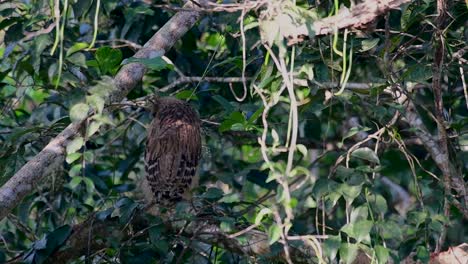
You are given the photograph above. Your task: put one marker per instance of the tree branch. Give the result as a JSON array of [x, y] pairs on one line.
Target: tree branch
[[24, 181], [360, 15]]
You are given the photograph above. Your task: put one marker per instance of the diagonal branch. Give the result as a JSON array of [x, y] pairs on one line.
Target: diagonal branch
[[24, 181], [358, 16]]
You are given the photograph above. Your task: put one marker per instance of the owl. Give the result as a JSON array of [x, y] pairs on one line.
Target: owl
[[173, 150]]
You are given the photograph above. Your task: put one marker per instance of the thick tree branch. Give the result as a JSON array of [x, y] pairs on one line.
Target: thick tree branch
[[360, 15], [24, 181], [93, 235]]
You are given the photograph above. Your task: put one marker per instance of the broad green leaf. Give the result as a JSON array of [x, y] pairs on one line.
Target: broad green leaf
[[353, 131], [161, 246], [104, 87], [75, 170], [331, 245], [96, 102], [359, 230], [310, 202], [366, 154], [302, 149], [362, 230], [108, 59], [368, 44], [186, 94], [275, 137], [72, 157], [89, 184], [423, 254], [359, 213], [308, 70], [155, 64], [79, 112], [255, 115], [213, 194], [75, 181], [274, 233], [230, 198], [350, 192], [77, 47], [382, 254], [57, 237], [348, 252], [264, 212], [75, 145], [79, 59], [92, 128], [378, 203]]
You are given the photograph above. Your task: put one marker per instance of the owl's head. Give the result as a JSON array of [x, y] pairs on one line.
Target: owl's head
[[177, 109]]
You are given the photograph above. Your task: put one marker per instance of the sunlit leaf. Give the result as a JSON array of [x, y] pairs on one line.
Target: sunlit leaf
[[366, 154], [79, 112], [274, 234], [75, 145]]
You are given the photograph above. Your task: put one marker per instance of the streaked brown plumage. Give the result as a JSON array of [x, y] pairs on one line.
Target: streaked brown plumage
[[173, 150]]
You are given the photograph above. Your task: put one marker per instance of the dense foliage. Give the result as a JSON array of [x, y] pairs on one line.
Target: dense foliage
[[323, 173]]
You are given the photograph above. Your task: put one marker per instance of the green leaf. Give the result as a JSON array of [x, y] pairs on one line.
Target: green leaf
[[302, 149], [75, 181], [255, 115], [275, 137], [264, 212], [235, 121], [418, 73], [186, 94], [423, 254], [161, 246], [79, 59], [89, 185], [382, 254], [8, 90], [96, 102], [359, 230], [378, 203], [155, 64], [93, 128], [359, 213], [310, 203], [75, 145], [362, 230], [368, 44], [108, 59], [349, 192], [331, 245], [75, 170], [348, 252], [366, 154], [308, 70], [72, 157], [353, 131], [79, 112], [76, 47], [104, 87], [125, 208], [213, 194], [224, 103], [58, 237], [274, 233], [155, 233]]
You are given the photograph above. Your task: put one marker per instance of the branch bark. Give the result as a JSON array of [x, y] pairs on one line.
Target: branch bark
[[359, 16], [92, 236], [24, 181]]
